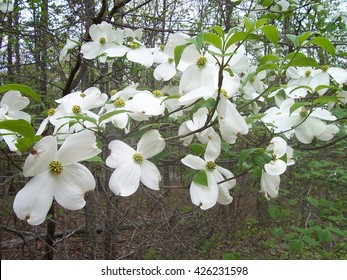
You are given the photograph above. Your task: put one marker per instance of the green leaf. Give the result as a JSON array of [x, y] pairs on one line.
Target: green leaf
[[242, 36], [292, 38], [260, 22], [219, 31], [296, 245], [267, 66], [247, 152], [277, 232], [297, 105], [200, 178], [267, 58], [310, 241], [293, 55], [213, 39], [231, 256], [24, 144], [271, 33], [111, 114], [274, 212], [249, 24], [197, 41], [292, 202], [323, 100], [95, 159], [303, 37], [198, 149], [267, 3], [19, 126], [261, 159], [178, 52], [23, 89], [304, 61], [324, 235], [312, 201], [324, 43]]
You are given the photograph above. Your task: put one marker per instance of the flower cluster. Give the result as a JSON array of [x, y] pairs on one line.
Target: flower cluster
[[220, 97]]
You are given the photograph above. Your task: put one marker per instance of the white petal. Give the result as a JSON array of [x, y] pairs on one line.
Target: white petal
[[323, 114], [204, 196], [40, 156], [16, 115], [275, 167], [278, 145], [329, 133], [230, 120], [116, 51], [194, 162], [194, 78], [151, 144], [164, 71], [10, 138], [90, 50], [321, 78], [120, 154], [141, 56], [150, 175], [78, 147], [148, 104], [72, 184], [213, 147], [224, 196], [14, 100], [269, 184], [42, 126], [309, 129], [125, 179], [338, 74], [34, 200], [196, 94]]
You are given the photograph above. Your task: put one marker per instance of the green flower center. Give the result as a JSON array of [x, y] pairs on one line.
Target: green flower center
[[76, 109], [211, 165], [162, 47], [157, 93], [303, 113], [134, 45], [252, 80], [325, 67], [201, 62], [119, 103], [113, 92], [102, 40], [170, 60], [55, 167], [83, 95], [223, 92], [138, 158], [308, 73], [51, 112]]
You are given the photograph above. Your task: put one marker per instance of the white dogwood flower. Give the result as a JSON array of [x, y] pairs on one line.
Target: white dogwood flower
[[103, 37], [56, 174], [11, 105], [207, 196], [269, 184], [132, 166]]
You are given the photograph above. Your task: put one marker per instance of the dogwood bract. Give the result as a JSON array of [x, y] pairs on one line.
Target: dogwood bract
[[56, 174], [133, 166], [11, 105], [207, 196]]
